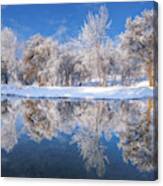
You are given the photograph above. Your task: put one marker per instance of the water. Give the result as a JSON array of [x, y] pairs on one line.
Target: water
[[78, 139]]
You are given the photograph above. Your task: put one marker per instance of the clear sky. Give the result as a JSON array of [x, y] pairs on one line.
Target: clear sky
[[65, 20]]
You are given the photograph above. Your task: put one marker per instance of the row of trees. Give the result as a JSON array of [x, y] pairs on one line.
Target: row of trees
[[92, 55]]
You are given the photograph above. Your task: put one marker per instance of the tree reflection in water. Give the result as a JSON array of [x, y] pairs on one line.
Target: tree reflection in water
[[41, 119], [86, 122], [138, 140], [9, 111]]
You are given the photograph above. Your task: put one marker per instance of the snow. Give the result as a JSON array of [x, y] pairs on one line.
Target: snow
[[139, 91]]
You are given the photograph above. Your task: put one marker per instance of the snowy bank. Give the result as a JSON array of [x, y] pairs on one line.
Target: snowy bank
[[115, 92]]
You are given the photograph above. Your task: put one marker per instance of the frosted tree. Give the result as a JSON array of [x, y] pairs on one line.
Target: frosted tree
[[71, 70], [139, 43], [66, 67], [92, 40], [8, 56], [111, 59], [139, 46], [41, 58]]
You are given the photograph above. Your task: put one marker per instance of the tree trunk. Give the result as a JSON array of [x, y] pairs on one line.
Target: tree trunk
[[100, 70], [6, 74], [104, 82], [150, 74], [67, 80]]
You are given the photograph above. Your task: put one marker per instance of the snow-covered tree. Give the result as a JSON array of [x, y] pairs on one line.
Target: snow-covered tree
[[111, 67], [139, 43], [41, 58], [71, 70], [8, 56], [92, 40], [66, 67]]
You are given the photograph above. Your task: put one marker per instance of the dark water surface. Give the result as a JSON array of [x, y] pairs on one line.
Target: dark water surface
[[78, 139]]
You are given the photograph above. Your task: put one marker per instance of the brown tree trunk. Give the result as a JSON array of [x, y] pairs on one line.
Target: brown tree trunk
[[150, 74], [67, 81]]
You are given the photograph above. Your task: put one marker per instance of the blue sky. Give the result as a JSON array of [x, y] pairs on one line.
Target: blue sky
[[64, 21]]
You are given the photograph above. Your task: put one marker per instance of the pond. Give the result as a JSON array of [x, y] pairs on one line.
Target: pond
[[104, 139]]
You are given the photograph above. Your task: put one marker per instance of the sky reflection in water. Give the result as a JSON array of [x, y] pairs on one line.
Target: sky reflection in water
[[78, 139]]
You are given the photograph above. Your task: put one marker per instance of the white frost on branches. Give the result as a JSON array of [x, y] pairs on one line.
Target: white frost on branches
[[8, 56]]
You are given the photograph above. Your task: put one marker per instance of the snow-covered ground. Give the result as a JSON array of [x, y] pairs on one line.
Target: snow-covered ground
[[139, 91]]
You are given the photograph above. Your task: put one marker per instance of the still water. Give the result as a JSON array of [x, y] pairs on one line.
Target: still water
[[78, 139]]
